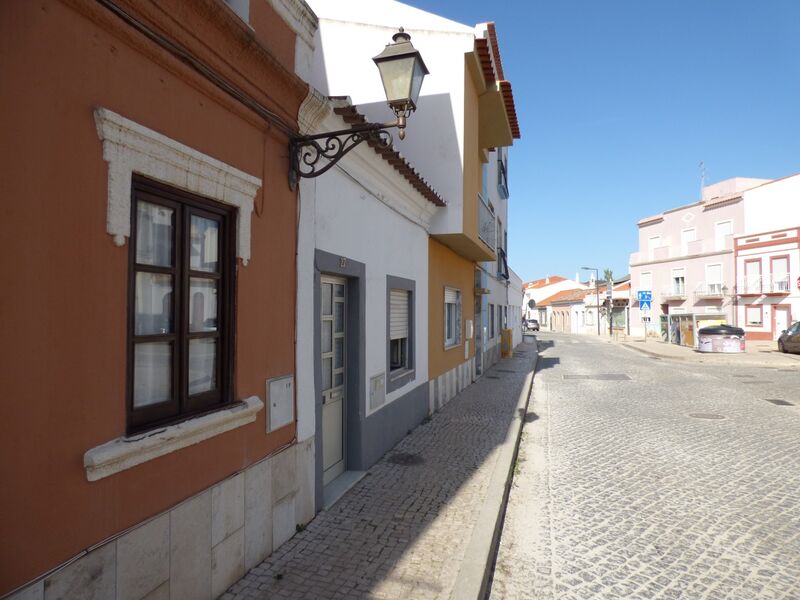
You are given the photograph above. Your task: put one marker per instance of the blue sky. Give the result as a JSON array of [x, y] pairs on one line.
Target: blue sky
[[619, 100]]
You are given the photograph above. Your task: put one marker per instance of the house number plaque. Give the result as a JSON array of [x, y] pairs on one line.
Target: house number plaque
[[342, 262]]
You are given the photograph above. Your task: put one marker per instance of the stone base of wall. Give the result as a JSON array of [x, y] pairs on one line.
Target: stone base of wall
[[200, 547], [443, 388], [491, 356]]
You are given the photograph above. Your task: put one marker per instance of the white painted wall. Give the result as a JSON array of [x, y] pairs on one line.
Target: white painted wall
[[773, 206], [351, 32], [363, 210]]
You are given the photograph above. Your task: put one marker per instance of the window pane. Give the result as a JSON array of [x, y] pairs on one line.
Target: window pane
[[338, 317], [339, 290], [152, 373], [327, 336], [338, 355], [154, 234], [202, 365], [153, 304], [204, 244], [202, 304], [327, 300], [338, 379], [326, 373]]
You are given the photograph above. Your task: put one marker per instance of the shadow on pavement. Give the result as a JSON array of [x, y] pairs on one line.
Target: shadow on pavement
[[402, 530]]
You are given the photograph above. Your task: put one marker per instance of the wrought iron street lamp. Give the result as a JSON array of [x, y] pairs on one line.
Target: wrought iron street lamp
[[402, 70]]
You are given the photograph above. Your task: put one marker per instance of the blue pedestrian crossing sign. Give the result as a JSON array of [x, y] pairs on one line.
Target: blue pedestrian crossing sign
[[645, 298]]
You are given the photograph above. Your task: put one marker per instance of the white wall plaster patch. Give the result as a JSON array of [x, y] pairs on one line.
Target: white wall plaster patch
[[132, 148]]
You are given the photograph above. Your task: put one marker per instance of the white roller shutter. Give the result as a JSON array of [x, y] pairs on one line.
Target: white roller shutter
[[450, 296], [398, 314]]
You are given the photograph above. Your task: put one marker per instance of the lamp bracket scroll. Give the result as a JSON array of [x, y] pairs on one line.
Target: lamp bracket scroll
[[313, 155], [402, 70]]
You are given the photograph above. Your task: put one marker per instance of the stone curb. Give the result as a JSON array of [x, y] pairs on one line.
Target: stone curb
[[713, 359], [476, 566]]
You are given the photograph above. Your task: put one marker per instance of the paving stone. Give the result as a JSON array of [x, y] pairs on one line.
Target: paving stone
[[402, 531], [620, 492]]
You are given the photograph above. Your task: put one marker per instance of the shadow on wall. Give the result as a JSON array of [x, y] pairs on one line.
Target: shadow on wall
[[431, 145]]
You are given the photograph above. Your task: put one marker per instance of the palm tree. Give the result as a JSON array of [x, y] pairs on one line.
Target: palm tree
[[609, 275]]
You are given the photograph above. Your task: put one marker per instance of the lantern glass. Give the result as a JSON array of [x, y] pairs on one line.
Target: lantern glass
[[416, 80], [397, 78]]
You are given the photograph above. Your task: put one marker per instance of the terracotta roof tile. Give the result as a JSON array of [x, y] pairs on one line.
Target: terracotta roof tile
[[540, 283], [563, 296], [351, 116]]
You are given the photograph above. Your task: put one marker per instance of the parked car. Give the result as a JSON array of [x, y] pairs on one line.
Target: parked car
[[533, 325], [790, 339]]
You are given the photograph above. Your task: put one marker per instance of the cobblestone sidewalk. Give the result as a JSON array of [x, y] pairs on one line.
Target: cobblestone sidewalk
[[403, 530]]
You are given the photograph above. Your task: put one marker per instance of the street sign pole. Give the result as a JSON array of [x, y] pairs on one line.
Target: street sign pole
[[645, 298]]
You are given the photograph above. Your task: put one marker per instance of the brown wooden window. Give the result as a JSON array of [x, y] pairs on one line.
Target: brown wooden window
[[180, 319]]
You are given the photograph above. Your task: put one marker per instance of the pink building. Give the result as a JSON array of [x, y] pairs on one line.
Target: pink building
[[686, 259]]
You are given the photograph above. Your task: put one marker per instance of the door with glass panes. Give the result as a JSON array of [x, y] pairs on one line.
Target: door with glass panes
[[332, 347]]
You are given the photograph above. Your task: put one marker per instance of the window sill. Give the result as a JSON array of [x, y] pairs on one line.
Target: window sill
[[126, 452], [399, 373], [399, 378], [451, 346]]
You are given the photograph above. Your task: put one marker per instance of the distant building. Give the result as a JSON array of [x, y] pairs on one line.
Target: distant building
[[539, 289], [702, 270]]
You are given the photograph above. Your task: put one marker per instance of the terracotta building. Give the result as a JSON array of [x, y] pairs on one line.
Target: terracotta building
[[149, 258]]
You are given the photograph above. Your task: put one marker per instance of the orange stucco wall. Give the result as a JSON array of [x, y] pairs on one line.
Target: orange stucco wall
[[63, 301], [447, 269]]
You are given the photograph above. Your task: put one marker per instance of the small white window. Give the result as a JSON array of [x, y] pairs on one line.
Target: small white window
[[653, 243], [754, 316], [780, 274], [646, 282], [687, 236], [678, 282], [452, 317], [722, 230], [714, 279], [399, 301]]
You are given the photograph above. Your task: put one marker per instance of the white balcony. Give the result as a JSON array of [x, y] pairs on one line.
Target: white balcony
[[750, 286], [779, 284], [710, 291], [674, 292]]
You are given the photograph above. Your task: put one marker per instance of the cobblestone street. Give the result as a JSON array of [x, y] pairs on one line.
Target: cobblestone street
[[402, 531], [639, 477]]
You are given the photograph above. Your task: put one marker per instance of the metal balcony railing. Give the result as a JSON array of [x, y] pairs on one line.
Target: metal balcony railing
[[710, 290], [674, 292], [487, 228], [750, 286], [779, 284]]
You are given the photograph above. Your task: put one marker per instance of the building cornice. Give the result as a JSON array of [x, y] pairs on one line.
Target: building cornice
[[299, 17], [681, 258]]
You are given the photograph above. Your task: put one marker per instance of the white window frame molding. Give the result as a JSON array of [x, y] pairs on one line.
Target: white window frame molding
[[132, 148], [124, 453]]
